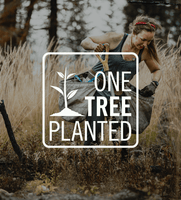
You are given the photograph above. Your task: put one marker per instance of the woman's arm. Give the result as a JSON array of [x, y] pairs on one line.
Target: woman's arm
[[154, 67], [88, 44], [95, 42], [156, 75]]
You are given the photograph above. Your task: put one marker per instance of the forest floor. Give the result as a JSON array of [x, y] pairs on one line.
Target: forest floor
[[148, 173]]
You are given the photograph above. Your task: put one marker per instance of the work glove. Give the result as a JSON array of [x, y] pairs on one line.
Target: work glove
[[149, 90]]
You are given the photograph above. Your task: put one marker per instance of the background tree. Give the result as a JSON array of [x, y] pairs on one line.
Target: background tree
[[25, 31], [11, 31], [53, 23], [8, 29]]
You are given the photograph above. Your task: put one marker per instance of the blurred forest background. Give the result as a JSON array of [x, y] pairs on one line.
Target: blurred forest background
[[157, 166], [70, 21]]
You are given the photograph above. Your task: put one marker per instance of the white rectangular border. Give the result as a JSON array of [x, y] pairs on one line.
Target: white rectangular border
[[89, 53]]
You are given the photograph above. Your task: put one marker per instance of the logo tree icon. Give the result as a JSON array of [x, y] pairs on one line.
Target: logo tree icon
[[66, 111]]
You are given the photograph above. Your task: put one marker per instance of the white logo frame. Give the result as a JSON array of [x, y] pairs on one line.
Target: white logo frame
[[89, 53]]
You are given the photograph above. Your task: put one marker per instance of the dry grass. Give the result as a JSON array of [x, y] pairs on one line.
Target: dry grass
[[90, 171]]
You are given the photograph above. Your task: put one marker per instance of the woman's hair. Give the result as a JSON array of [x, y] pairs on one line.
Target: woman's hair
[[150, 25]]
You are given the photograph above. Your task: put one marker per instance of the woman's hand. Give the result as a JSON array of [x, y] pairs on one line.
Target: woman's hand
[[99, 47], [148, 90]]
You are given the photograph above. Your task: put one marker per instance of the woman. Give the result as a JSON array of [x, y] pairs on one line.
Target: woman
[[140, 41]]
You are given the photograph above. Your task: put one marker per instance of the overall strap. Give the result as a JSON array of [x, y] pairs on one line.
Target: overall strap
[[122, 41]]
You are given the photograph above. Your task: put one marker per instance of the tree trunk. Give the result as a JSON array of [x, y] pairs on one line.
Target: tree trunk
[[25, 31], [53, 23], [10, 20], [8, 23]]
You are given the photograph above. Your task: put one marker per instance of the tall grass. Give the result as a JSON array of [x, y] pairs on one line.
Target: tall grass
[[21, 89]]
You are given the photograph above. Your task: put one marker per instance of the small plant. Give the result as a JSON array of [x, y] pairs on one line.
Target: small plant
[[66, 111]]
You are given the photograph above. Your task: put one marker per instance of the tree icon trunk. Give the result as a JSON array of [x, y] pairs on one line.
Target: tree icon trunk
[[65, 92]]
